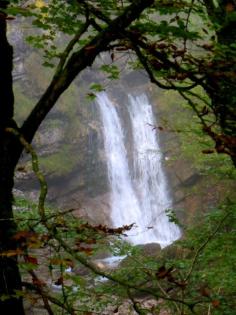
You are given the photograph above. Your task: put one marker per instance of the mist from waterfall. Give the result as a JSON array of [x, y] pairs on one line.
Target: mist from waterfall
[[140, 194]]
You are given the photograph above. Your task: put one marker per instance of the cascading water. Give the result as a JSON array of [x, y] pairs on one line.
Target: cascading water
[[125, 208], [143, 197], [149, 177]]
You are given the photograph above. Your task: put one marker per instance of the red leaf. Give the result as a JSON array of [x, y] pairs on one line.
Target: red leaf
[[25, 235], [163, 272], [37, 282], [205, 291], [215, 303], [92, 47], [31, 260], [229, 7]]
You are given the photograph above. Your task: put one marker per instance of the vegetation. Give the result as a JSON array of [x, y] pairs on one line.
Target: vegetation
[[195, 59], [193, 276]]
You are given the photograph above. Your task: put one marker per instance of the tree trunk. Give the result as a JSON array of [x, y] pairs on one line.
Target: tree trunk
[[222, 74], [226, 93], [10, 281]]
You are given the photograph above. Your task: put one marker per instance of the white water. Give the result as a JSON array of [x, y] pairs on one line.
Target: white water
[[125, 207], [150, 180], [143, 197]]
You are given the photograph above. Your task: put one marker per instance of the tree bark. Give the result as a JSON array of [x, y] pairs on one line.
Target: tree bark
[[10, 281]]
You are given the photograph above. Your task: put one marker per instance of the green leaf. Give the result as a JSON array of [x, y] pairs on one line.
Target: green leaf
[[96, 87]]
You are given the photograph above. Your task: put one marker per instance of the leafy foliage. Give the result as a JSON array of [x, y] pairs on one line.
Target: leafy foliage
[[193, 276], [184, 277]]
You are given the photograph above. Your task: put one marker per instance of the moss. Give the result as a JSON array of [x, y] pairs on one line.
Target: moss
[[183, 141], [36, 73], [60, 163], [23, 104], [181, 123], [52, 123], [69, 101]]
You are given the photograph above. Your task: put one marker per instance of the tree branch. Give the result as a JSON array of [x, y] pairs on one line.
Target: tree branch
[[53, 232], [70, 47], [139, 43], [144, 62], [77, 62]]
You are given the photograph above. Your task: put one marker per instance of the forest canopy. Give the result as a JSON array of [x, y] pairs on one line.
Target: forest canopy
[[181, 45]]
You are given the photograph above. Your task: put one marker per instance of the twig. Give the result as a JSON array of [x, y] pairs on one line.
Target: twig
[[209, 309], [38, 173], [167, 295], [187, 22], [70, 47], [134, 303], [200, 249], [56, 235]]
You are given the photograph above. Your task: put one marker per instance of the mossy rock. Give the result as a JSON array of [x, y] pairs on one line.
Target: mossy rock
[[60, 163]]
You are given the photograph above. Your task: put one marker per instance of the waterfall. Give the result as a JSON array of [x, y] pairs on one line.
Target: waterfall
[[149, 178], [140, 197], [125, 207]]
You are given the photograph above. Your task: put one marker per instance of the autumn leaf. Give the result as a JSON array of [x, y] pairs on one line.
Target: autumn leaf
[[60, 261], [204, 291], [27, 238], [59, 281], [31, 260], [91, 241], [87, 250], [163, 272], [69, 262], [38, 283], [215, 303], [229, 7], [11, 253], [92, 47], [21, 169], [25, 235]]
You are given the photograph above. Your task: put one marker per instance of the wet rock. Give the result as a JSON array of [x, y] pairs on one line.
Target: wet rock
[[18, 193], [96, 210], [151, 249], [50, 138]]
